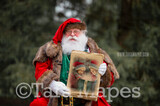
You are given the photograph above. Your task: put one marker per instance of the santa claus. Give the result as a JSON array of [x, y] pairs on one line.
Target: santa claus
[[52, 64]]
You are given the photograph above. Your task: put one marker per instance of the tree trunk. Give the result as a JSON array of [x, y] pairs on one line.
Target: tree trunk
[[125, 21]]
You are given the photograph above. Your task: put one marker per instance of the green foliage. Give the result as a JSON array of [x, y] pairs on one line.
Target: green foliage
[[140, 35], [26, 25], [23, 29]]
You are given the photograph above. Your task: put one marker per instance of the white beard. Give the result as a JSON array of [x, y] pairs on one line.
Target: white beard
[[69, 45]]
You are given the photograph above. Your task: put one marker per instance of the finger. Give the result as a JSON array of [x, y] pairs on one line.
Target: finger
[[65, 89], [103, 68], [101, 71], [103, 65], [66, 94], [60, 92]]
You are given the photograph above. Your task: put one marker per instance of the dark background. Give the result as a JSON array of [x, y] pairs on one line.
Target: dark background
[[118, 26]]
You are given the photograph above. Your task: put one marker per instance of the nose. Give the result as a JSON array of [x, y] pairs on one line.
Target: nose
[[72, 34]]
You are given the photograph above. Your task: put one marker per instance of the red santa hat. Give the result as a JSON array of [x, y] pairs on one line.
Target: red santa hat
[[66, 25]]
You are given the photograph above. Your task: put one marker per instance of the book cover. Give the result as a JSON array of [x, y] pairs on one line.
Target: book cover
[[84, 79]]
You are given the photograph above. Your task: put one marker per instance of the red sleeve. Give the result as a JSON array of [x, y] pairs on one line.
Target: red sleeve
[[41, 67], [112, 76], [112, 81]]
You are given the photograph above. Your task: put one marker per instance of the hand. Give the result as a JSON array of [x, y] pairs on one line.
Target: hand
[[59, 88], [102, 68]]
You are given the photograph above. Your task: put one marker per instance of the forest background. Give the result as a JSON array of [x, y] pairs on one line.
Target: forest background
[[127, 29]]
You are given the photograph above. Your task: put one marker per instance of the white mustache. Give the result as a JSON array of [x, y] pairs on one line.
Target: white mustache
[[74, 37], [78, 44]]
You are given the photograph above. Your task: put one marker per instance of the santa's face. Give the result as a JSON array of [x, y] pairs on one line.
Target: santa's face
[[73, 32], [74, 39]]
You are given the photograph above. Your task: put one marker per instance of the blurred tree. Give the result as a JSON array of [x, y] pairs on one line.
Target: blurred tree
[[117, 25], [125, 21], [129, 26], [24, 25]]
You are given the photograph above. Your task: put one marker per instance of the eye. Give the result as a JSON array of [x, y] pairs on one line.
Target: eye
[[76, 32], [69, 32]]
